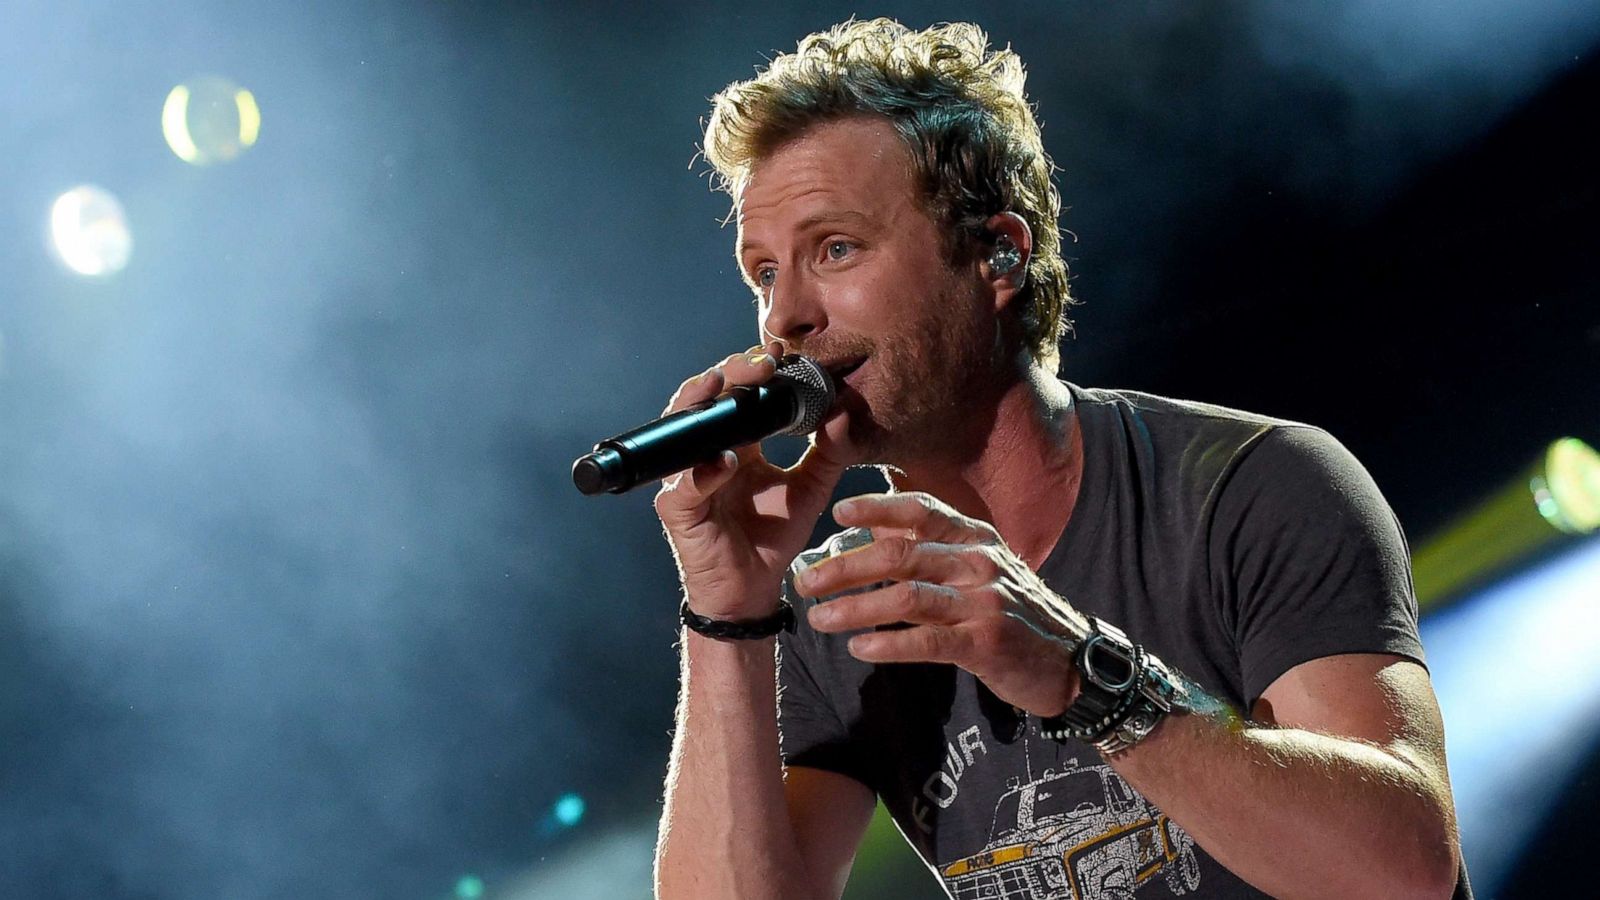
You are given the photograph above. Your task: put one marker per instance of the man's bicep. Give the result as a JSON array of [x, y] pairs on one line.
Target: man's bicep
[[1377, 698], [830, 813]]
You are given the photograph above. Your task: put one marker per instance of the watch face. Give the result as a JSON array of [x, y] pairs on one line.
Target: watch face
[[1107, 665]]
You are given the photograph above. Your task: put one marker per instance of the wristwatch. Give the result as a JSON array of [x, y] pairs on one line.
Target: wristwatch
[[1124, 692]]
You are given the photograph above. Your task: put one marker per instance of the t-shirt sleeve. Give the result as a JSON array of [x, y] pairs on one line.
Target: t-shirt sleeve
[[811, 732], [1313, 559]]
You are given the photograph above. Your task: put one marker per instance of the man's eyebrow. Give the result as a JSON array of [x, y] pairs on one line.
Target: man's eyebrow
[[831, 215]]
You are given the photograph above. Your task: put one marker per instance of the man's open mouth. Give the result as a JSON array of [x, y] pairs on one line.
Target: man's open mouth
[[843, 370]]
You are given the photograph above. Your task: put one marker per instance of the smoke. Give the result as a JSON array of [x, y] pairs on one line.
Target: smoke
[[292, 614]]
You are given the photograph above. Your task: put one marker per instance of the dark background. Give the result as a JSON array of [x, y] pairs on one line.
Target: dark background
[[296, 596]]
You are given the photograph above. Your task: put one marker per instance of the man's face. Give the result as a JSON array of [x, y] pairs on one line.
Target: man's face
[[850, 269]]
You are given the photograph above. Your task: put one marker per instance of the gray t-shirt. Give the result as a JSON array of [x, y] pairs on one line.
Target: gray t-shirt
[[1233, 546]]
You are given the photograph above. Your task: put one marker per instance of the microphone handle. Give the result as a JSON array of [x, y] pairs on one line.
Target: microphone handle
[[686, 438]]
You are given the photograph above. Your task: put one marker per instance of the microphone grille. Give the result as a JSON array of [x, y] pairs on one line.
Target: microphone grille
[[814, 392]]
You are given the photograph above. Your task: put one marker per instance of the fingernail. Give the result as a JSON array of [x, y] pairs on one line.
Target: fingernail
[[805, 577], [756, 359], [844, 507], [820, 616]]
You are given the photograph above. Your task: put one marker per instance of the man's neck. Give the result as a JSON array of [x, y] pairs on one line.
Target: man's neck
[[1022, 476]]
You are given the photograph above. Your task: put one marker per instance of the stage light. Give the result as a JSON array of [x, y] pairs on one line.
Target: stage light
[[1516, 668], [469, 887], [562, 815], [569, 809], [1555, 497], [89, 232], [1568, 493], [209, 119]]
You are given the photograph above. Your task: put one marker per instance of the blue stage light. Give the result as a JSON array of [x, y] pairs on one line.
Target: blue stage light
[[1517, 671], [469, 887], [569, 809]]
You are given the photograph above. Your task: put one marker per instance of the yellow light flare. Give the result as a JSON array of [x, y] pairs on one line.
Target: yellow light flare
[[1572, 475], [1557, 495], [209, 120], [175, 126], [249, 117]]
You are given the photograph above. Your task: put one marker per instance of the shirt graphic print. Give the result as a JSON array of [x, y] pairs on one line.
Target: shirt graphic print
[[1079, 833]]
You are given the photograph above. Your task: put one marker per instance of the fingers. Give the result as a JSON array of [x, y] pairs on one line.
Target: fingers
[[925, 643], [1022, 667], [818, 471], [916, 602], [704, 386], [689, 491], [898, 559], [922, 514], [693, 487], [754, 366]]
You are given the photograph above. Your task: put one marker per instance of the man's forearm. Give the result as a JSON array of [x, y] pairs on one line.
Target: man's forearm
[[1299, 814], [725, 831]]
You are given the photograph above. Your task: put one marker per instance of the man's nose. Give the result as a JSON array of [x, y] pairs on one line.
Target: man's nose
[[794, 311]]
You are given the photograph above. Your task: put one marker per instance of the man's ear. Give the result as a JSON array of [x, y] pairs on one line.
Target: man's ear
[[1009, 249]]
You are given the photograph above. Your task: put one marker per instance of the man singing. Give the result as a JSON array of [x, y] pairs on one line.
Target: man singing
[[1092, 643]]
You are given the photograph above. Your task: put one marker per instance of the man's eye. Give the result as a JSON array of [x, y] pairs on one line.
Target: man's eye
[[838, 249], [766, 276]]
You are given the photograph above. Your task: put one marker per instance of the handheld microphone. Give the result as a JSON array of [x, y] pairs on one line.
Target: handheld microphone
[[794, 401]]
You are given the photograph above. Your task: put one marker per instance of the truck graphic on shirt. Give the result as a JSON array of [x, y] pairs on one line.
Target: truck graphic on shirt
[[1081, 834]]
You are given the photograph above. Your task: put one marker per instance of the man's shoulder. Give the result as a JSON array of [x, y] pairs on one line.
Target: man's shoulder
[[1174, 411], [1203, 445]]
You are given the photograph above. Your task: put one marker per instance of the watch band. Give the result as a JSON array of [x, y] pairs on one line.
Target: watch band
[[744, 630], [1124, 693], [1163, 694], [1105, 696]]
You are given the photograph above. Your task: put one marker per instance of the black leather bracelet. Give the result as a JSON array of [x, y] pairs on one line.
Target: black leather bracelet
[[724, 630]]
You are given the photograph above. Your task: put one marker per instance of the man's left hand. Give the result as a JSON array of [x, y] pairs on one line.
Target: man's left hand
[[964, 596]]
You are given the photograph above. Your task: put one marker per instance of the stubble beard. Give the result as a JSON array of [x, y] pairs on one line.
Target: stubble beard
[[932, 391]]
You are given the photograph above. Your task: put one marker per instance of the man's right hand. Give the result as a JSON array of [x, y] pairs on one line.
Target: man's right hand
[[735, 524]]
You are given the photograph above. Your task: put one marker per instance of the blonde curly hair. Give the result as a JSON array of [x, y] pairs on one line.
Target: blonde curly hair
[[961, 110]]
